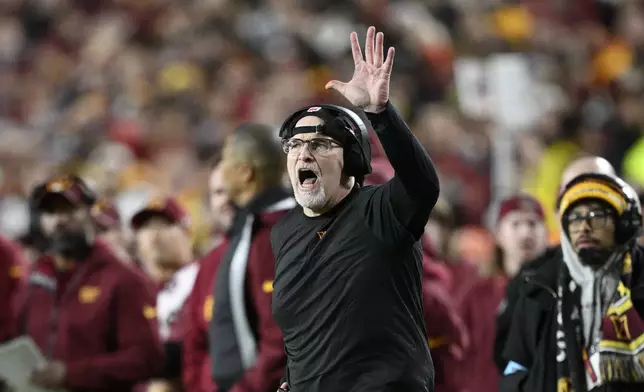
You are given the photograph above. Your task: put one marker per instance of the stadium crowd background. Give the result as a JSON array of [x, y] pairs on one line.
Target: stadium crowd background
[[137, 96]]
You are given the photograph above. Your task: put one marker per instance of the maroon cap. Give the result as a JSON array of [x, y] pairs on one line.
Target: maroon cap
[[106, 215], [72, 188], [523, 203], [168, 208]]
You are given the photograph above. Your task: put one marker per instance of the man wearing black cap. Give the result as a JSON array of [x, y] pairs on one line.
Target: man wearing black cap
[[93, 317], [348, 291]]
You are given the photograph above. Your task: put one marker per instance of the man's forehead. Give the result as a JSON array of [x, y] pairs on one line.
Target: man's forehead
[[311, 135], [585, 205], [523, 214]]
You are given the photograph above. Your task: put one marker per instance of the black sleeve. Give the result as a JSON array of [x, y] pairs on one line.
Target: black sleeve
[[637, 279], [523, 335], [414, 190], [520, 344], [504, 321], [173, 360]]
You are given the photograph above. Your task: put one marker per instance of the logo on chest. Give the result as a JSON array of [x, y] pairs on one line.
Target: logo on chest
[[88, 294], [207, 308], [321, 234]]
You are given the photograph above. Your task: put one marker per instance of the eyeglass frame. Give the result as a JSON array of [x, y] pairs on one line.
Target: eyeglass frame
[[599, 223], [331, 144]]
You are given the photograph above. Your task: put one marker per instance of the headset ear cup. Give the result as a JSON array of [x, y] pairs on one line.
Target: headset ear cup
[[629, 225], [352, 163]]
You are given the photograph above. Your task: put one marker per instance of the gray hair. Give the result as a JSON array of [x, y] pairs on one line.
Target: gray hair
[[257, 146]]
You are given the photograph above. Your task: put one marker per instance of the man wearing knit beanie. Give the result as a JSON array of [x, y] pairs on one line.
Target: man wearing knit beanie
[[582, 165], [578, 326]]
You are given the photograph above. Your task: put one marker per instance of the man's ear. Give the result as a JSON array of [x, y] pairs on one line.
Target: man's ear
[[245, 172]]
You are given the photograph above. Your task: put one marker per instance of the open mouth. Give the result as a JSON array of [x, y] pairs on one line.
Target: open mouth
[[307, 177]]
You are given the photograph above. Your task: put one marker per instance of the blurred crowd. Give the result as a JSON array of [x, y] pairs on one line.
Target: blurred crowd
[[137, 97]]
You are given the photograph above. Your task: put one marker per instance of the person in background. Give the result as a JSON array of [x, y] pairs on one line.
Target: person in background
[[93, 318], [162, 231], [13, 271], [552, 255], [33, 242], [578, 324], [245, 344], [438, 233], [221, 208], [583, 165], [197, 367], [521, 235], [108, 225]]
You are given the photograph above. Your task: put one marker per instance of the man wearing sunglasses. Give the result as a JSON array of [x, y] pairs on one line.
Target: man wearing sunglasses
[[578, 326]]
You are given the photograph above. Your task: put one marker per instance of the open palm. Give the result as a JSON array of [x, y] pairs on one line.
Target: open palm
[[368, 89]]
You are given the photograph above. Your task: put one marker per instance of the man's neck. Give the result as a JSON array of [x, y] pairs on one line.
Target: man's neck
[[245, 197], [511, 267]]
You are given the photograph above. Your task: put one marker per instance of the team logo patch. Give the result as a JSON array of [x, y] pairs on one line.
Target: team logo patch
[[59, 184], [88, 294], [267, 286], [158, 203], [16, 272], [149, 312], [314, 109], [207, 308]]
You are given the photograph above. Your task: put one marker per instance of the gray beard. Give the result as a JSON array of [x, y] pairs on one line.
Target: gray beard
[[311, 200]]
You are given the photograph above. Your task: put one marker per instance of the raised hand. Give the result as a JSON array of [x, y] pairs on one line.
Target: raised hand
[[368, 89]]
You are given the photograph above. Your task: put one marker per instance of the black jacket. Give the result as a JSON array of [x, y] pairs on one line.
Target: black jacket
[[531, 341], [513, 291]]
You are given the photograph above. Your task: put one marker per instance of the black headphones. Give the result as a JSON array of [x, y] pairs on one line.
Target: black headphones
[[357, 152], [628, 224]]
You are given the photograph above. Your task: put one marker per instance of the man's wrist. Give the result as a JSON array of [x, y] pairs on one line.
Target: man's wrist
[[376, 109]]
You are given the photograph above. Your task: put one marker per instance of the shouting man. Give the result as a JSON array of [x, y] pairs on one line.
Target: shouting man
[[348, 285]]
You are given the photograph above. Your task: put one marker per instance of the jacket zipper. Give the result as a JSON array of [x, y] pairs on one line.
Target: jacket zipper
[[529, 280], [53, 319]]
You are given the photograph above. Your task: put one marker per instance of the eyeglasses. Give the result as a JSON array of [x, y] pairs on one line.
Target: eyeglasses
[[596, 219], [316, 145]]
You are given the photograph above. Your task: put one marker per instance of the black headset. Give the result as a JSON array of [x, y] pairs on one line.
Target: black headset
[[357, 154], [628, 224]]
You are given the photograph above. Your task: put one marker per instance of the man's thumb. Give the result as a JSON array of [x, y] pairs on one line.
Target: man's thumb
[[335, 85]]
